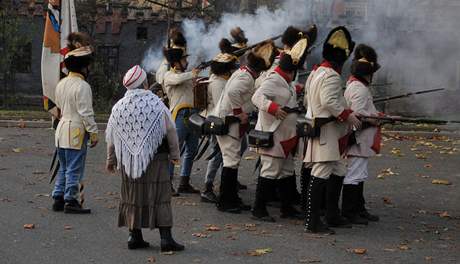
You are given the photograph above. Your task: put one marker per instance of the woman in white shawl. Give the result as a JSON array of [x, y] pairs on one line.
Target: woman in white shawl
[[141, 140]]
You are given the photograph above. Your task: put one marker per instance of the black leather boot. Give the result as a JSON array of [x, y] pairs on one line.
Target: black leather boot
[[333, 191], [228, 200], [295, 195], [58, 204], [362, 211], [74, 207], [136, 240], [167, 242], [241, 186], [314, 193], [185, 186], [305, 175], [264, 188], [208, 195], [350, 204], [287, 195]]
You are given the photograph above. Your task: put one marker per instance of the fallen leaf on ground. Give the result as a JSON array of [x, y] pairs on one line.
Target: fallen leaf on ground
[[200, 235], [42, 195], [385, 173], [21, 123], [17, 150], [67, 227], [444, 215], [309, 261], [259, 252], [404, 247], [29, 226], [389, 249], [441, 182], [212, 228], [428, 166], [429, 258], [359, 251], [167, 253], [397, 152], [151, 259], [421, 156], [387, 200]]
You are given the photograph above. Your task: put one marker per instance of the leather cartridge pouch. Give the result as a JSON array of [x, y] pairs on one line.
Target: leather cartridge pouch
[[214, 125], [306, 130], [260, 139], [196, 123]]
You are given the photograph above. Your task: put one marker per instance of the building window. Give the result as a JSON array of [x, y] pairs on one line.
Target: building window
[[142, 33], [108, 55], [23, 59]]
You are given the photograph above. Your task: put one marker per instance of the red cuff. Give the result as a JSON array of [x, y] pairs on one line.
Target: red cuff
[[237, 111], [299, 88], [380, 114], [344, 115], [273, 108]]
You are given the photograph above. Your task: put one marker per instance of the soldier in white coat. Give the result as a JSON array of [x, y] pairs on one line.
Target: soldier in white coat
[[360, 100], [324, 100], [276, 100], [222, 67], [76, 126], [236, 102]]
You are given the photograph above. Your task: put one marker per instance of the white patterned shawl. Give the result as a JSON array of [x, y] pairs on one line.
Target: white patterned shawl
[[136, 128]]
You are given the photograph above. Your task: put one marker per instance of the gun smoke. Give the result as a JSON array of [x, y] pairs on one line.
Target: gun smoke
[[417, 42]]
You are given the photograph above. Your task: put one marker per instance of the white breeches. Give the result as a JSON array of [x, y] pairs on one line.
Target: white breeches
[[276, 168], [357, 170], [324, 170]]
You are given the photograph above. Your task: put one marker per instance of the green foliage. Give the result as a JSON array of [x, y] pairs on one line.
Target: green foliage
[[105, 86]]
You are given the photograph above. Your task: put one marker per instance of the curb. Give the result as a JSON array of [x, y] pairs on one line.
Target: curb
[[35, 124]]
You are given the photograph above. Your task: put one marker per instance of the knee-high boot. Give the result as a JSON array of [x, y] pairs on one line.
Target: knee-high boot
[[314, 193], [264, 188], [350, 203], [228, 200], [333, 191], [305, 175], [362, 211], [287, 199]]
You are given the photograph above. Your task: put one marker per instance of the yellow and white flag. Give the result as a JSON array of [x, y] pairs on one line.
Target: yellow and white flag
[[61, 20]]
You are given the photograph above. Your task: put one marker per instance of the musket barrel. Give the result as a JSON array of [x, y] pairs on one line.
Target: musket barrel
[[389, 98]]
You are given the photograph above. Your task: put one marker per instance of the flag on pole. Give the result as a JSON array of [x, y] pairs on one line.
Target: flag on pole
[[60, 21]]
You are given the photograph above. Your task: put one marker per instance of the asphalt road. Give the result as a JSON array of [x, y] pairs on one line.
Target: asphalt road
[[420, 221]]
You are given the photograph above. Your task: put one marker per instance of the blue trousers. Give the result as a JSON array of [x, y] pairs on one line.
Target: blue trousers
[[188, 139], [71, 172]]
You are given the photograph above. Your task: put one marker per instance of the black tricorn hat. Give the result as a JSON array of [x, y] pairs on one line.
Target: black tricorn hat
[[173, 55], [226, 46], [365, 61], [177, 39], [338, 45]]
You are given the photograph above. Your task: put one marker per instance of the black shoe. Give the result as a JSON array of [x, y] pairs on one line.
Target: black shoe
[[74, 207], [369, 217], [136, 241], [291, 213], [208, 197], [58, 205], [186, 187], [314, 193], [174, 193], [241, 186], [167, 242], [356, 219], [339, 222]]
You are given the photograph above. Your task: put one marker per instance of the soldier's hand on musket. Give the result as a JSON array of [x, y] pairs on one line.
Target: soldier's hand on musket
[[244, 118], [195, 72], [281, 114], [354, 121]]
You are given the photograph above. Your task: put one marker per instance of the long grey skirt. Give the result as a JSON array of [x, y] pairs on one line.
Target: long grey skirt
[[146, 201]]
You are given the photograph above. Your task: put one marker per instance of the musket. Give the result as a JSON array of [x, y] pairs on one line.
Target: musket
[[238, 53], [389, 98], [386, 119]]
